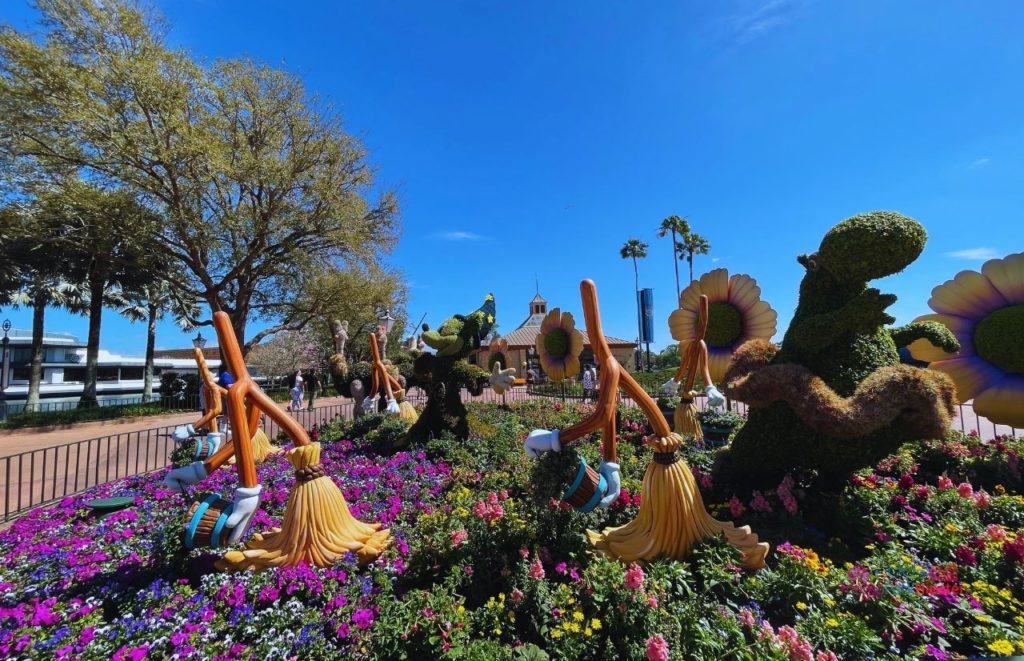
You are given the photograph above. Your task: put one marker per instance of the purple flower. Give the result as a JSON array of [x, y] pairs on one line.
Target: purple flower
[[363, 618]]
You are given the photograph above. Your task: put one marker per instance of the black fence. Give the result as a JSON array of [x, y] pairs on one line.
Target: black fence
[[45, 475]]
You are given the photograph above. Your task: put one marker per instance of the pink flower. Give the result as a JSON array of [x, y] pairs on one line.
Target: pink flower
[[906, 481], [825, 655], [634, 577], [747, 617], [657, 648], [459, 536], [1014, 551], [517, 595], [965, 490], [921, 492], [995, 532], [524, 552], [706, 481], [652, 600], [945, 483], [736, 507], [536, 569], [798, 650], [982, 500], [760, 503]]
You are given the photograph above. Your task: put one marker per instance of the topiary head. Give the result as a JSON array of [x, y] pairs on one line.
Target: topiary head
[[868, 246], [461, 334]]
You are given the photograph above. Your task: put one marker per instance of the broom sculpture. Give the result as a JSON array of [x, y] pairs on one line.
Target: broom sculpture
[[392, 389], [317, 527], [213, 395], [672, 517]]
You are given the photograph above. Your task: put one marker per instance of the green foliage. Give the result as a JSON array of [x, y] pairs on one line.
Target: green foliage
[[936, 333], [720, 418], [184, 453], [871, 245], [997, 338], [725, 324], [552, 473], [91, 413]]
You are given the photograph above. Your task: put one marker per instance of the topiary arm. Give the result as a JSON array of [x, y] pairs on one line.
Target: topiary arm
[[863, 313], [936, 333], [470, 377]]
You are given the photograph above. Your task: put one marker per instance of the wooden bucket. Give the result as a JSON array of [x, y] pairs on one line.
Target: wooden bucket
[[715, 437], [207, 522], [587, 490], [206, 446]]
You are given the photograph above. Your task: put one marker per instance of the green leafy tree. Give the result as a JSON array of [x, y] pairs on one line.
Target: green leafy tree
[[102, 237], [635, 249], [674, 226], [252, 174]]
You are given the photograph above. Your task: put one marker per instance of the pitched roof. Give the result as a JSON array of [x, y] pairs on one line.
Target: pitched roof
[[526, 336], [211, 353]]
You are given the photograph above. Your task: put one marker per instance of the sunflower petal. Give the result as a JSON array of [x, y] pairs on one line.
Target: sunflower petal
[[760, 321], [551, 321], [971, 374], [1003, 401], [1007, 275], [689, 298], [555, 369], [715, 284], [743, 292], [572, 365], [576, 343], [682, 324], [718, 362], [968, 294]]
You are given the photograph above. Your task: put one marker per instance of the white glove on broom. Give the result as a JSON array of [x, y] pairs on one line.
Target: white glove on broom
[[246, 500], [670, 387], [179, 478], [540, 441], [715, 397], [393, 408], [182, 433], [610, 471]]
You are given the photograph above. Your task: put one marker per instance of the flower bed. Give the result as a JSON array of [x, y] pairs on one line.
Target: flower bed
[[925, 559]]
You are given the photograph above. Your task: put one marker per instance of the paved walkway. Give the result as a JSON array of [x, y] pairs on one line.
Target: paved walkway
[[13, 441]]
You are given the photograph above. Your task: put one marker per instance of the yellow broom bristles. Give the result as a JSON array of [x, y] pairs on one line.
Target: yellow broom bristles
[[261, 445], [685, 418], [407, 412], [672, 518], [317, 527]]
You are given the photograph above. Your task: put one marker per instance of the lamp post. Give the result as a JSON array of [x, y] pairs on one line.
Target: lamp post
[[5, 367], [199, 342]]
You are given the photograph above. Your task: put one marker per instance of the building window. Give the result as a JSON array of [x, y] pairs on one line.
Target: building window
[[106, 374], [21, 356], [21, 373], [132, 373], [74, 374]]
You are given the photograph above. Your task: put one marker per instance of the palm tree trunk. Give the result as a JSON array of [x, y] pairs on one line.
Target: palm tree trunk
[[147, 384], [690, 259], [636, 293], [35, 376], [92, 351], [675, 262]]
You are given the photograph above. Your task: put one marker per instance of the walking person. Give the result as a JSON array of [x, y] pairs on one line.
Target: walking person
[[296, 392], [588, 383], [312, 386]]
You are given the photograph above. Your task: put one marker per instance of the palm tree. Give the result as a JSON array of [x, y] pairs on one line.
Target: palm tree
[[149, 304], [693, 244], [674, 225], [635, 249]]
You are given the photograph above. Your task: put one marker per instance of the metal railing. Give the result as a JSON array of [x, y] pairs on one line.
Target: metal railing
[[46, 475]]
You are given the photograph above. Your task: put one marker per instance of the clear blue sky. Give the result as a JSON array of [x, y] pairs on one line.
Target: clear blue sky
[[535, 138]]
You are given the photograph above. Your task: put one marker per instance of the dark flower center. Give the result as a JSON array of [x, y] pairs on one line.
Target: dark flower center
[[556, 343], [497, 358], [997, 338], [725, 324]]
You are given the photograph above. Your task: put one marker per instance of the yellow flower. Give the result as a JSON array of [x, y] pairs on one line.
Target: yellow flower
[[829, 601], [595, 624], [736, 314], [801, 606], [1002, 647], [588, 632], [556, 633], [497, 631], [461, 609], [577, 615], [559, 345], [832, 622]]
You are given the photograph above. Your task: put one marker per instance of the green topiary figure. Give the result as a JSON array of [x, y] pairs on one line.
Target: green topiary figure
[[444, 374], [835, 397]]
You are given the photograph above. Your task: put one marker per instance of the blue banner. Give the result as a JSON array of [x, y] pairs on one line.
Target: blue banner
[[647, 315]]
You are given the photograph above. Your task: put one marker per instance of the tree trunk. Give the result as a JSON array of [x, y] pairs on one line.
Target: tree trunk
[[147, 384], [691, 266], [675, 263], [36, 372], [639, 320], [92, 351]]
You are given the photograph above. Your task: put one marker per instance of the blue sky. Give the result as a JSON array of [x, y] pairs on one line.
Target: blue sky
[[531, 139]]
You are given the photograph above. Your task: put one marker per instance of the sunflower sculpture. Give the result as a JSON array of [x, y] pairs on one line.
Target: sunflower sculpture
[[497, 352], [736, 314], [559, 345], [985, 311]]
